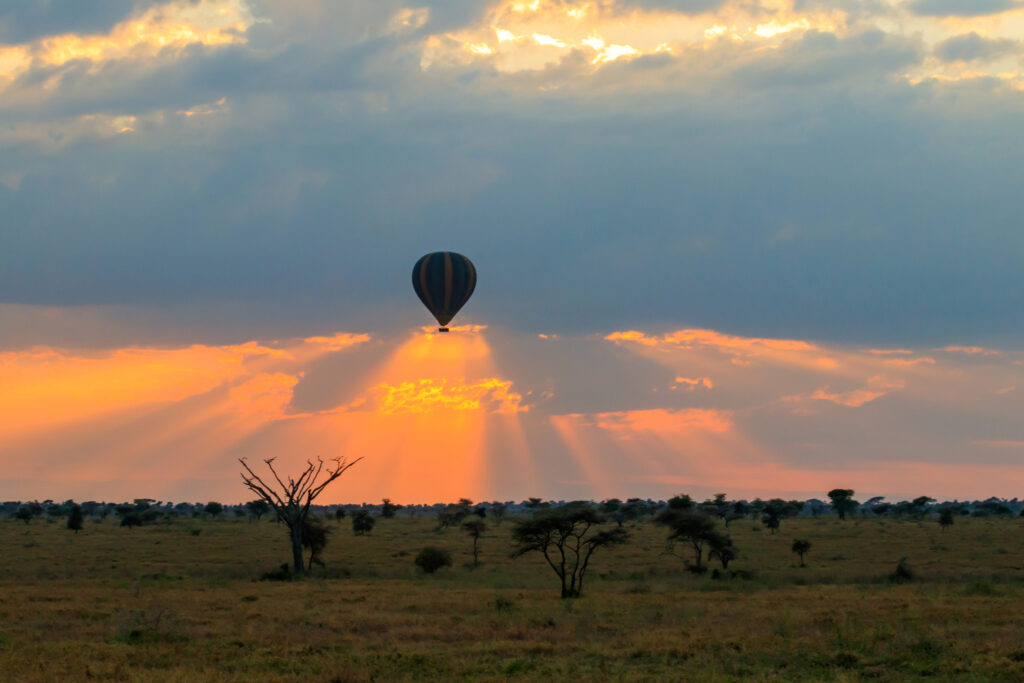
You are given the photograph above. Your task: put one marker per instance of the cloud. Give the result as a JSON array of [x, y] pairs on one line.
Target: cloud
[[850, 399], [29, 20], [960, 8], [430, 395], [971, 47], [321, 159]]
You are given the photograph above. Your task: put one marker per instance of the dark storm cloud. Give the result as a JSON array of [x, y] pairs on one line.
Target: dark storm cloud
[[960, 8], [971, 46], [22, 21]]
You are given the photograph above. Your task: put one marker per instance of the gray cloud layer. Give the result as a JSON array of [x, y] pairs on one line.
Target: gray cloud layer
[[806, 191]]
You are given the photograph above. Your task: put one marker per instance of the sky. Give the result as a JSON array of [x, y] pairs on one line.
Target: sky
[[768, 247]]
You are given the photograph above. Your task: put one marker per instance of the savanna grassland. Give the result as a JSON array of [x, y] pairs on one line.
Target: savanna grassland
[[181, 601]]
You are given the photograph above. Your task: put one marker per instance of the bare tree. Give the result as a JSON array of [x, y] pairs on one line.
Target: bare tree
[[290, 501]]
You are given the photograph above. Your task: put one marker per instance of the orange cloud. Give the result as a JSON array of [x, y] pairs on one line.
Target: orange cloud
[[338, 341], [723, 342], [429, 395], [850, 399], [910, 361], [692, 384]]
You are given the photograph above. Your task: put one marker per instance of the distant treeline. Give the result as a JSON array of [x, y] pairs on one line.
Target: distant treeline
[[145, 510]]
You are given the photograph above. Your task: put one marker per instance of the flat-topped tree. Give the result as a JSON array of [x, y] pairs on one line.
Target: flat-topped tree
[[290, 501], [567, 536]]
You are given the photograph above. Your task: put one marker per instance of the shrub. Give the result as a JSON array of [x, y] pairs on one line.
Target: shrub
[[902, 572], [283, 573], [431, 558], [362, 523]]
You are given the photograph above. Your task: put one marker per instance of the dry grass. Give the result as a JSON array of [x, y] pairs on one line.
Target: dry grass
[[159, 603]]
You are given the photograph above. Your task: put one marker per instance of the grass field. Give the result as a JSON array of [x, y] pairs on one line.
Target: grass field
[[164, 603]]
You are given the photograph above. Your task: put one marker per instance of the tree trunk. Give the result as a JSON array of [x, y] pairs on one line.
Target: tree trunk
[[296, 534]]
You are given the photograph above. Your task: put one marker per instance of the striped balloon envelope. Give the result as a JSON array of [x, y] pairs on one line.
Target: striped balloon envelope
[[444, 281]]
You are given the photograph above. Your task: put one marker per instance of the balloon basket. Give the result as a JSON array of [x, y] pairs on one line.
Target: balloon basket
[[442, 329]]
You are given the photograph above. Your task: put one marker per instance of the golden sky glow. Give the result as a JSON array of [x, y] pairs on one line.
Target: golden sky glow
[[170, 26], [440, 417], [516, 36]]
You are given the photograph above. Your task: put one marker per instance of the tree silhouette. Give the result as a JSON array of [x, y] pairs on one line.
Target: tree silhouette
[[362, 522], [567, 538], [290, 501], [388, 509], [842, 501], [722, 549], [800, 548], [691, 527], [258, 508], [946, 517], [75, 518], [475, 528]]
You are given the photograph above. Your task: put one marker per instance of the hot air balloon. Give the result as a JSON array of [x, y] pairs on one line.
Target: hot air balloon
[[444, 281]]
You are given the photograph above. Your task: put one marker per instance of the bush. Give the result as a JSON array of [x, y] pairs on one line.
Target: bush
[[283, 573], [902, 572], [362, 523], [431, 559]]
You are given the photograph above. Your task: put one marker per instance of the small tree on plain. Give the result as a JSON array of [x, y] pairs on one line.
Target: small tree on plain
[[388, 509], [771, 521], [75, 518], [689, 527], [339, 514], [722, 550], [213, 508], [842, 501], [257, 508], [290, 501], [25, 514], [130, 518], [800, 547], [475, 528], [946, 518], [567, 537], [362, 523]]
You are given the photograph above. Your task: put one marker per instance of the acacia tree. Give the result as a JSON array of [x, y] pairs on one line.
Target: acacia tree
[[842, 501], [290, 501], [694, 528], [475, 528], [567, 539]]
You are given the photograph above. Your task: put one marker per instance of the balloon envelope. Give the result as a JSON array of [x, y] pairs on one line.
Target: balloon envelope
[[444, 281]]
